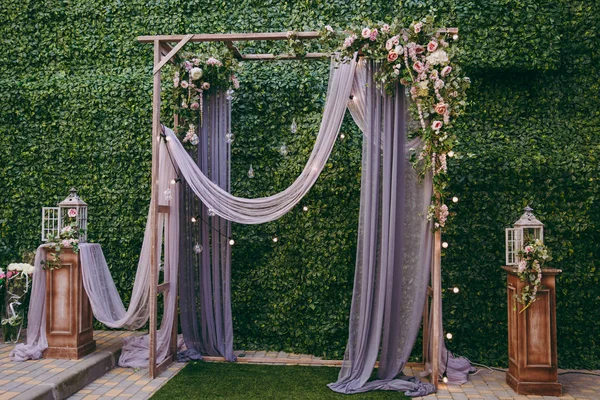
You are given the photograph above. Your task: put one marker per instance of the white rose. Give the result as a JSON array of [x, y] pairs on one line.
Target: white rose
[[437, 57], [196, 73], [399, 50]]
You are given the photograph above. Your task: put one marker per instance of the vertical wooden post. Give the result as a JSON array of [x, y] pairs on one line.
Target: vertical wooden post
[[436, 283], [154, 214]]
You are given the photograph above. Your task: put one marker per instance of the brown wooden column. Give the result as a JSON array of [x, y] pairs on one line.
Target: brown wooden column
[[532, 354], [69, 318]]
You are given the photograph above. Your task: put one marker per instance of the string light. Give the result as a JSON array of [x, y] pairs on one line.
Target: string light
[[168, 139], [231, 242], [455, 199], [305, 208], [455, 289], [448, 336], [194, 219], [445, 245], [342, 136], [275, 239], [445, 378], [450, 153]]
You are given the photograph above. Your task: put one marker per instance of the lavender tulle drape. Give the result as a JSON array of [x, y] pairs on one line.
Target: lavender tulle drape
[[205, 265], [393, 252], [106, 303]]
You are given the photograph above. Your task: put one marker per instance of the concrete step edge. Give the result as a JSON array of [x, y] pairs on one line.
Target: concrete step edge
[[76, 377]]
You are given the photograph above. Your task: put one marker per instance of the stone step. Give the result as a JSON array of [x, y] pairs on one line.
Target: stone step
[[76, 377]]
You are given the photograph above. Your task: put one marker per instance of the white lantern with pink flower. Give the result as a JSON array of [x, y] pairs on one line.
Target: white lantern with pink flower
[[524, 230], [73, 212]]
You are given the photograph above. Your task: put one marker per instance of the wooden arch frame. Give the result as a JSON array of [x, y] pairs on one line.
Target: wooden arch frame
[[164, 52]]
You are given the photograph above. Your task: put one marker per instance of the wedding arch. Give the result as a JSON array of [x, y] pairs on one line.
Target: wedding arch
[[402, 208], [163, 54]]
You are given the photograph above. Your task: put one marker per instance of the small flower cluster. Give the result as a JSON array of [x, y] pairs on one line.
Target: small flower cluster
[[68, 237], [195, 78], [422, 59], [16, 281], [532, 257]]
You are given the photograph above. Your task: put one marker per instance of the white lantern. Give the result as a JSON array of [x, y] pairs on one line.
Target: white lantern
[[526, 228], [74, 209]]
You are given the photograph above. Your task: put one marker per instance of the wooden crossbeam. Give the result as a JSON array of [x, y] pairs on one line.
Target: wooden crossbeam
[[239, 37], [274, 57]]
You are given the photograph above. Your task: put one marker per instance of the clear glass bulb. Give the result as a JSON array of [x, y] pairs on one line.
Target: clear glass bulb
[[231, 242], [455, 199], [305, 208], [275, 239], [455, 289], [448, 335], [445, 245], [294, 127], [210, 212], [198, 248]]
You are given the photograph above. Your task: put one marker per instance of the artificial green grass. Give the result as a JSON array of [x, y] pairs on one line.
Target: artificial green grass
[[202, 380]]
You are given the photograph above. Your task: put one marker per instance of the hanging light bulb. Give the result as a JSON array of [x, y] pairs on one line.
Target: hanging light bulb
[[445, 378], [198, 248], [455, 289], [305, 208], [450, 153], [283, 150], [455, 199], [294, 127], [231, 242], [448, 336], [193, 219], [250, 172], [445, 245], [275, 239], [455, 37], [210, 212], [195, 140], [168, 139], [229, 137], [173, 181], [342, 136]]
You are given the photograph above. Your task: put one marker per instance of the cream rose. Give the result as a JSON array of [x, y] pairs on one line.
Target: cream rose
[[195, 73]]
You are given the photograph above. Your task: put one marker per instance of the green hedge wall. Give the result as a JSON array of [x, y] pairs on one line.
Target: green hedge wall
[[75, 110]]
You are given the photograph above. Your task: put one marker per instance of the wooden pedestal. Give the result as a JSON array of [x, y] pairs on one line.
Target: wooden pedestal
[[69, 318], [532, 366]]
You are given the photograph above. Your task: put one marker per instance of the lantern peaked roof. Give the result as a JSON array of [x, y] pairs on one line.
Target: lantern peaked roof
[[72, 200], [528, 219]]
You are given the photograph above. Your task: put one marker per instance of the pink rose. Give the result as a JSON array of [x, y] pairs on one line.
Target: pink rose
[[389, 45], [441, 108], [418, 27], [176, 79], [396, 40], [419, 67], [396, 70], [205, 86], [349, 40], [413, 91], [405, 38], [373, 35], [194, 106], [385, 28], [72, 213], [392, 56], [419, 49], [366, 33], [432, 46], [439, 84], [2, 275], [66, 243], [446, 70], [528, 249], [195, 61], [436, 125], [184, 84]]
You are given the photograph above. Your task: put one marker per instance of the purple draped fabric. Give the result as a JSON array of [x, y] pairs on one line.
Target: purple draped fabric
[[205, 278]]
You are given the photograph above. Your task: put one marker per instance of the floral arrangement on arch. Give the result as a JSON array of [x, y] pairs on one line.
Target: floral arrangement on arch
[[422, 59], [532, 257], [193, 79], [68, 237]]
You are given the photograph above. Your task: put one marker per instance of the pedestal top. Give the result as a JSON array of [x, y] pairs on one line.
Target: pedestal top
[[545, 271]]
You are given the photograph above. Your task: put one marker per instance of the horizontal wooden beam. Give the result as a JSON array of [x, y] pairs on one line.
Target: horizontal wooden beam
[[263, 57], [239, 37]]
